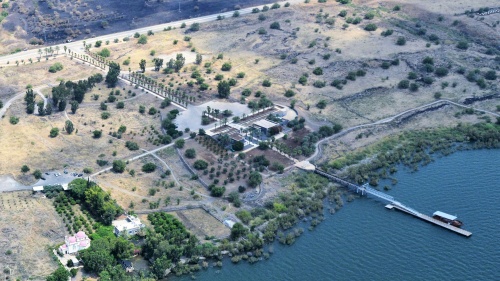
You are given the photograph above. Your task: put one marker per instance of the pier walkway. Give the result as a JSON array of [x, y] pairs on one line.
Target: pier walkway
[[392, 203]]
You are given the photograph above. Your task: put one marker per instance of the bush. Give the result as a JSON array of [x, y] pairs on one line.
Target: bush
[[180, 143], [55, 67], [413, 87], [190, 153], [194, 27], [319, 84], [104, 53], [152, 111], [105, 115], [401, 41], [371, 27], [388, 32], [318, 71], [97, 134], [148, 167], [343, 13], [14, 120], [200, 165], [385, 65], [275, 25], [412, 75], [143, 39], [463, 45], [54, 132], [369, 16], [289, 93], [217, 191], [441, 71], [119, 166], [404, 84], [131, 145], [490, 75], [321, 104], [266, 83], [226, 66]]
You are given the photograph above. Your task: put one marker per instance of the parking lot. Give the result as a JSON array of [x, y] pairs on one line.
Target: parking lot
[[57, 177]]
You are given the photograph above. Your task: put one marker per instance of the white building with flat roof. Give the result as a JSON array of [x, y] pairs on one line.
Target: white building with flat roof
[[128, 226]]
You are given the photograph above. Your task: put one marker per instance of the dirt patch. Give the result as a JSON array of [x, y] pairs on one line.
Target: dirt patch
[[24, 241]]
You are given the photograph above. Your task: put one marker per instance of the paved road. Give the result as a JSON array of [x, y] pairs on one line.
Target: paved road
[[78, 45]]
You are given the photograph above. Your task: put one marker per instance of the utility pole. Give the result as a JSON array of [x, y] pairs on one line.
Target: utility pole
[[179, 6]]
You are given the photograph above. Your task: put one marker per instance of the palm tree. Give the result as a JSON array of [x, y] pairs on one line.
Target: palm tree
[[57, 50], [65, 48], [46, 51], [51, 50], [40, 52]]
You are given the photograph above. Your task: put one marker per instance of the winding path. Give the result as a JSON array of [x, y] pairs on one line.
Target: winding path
[[391, 119], [18, 96]]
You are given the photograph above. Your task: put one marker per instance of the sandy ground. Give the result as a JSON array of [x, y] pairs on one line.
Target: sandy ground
[[27, 239]]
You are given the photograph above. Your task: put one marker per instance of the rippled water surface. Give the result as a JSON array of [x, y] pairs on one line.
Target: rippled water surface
[[365, 241]]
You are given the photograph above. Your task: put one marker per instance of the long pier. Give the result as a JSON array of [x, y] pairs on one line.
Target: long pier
[[392, 203]]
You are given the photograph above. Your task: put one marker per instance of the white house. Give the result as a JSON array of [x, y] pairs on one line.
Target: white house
[[129, 226], [73, 244]]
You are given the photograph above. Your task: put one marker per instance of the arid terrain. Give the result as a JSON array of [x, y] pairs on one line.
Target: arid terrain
[[376, 68]]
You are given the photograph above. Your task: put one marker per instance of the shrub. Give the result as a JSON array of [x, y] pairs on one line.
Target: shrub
[[319, 84], [120, 105], [289, 93], [194, 27], [275, 6], [266, 83], [318, 71], [217, 191], [54, 132], [404, 84], [238, 146], [385, 65], [388, 32], [343, 13], [55, 67], [180, 143], [200, 165], [97, 134], [412, 75], [441, 71], [303, 80], [143, 39], [321, 104], [190, 153], [226, 66], [463, 45], [262, 31], [369, 16], [490, 75], [148, 167], [275, 25], [104, 53], [105, 115], [14, 120], [371, 27], [119, 166], [131, 145], [152, 111], [401, 41], [413, 87], [351, 76]]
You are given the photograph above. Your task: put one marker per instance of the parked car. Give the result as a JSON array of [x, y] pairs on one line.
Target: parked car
[[42, 178], [80, 175], [47, 173]]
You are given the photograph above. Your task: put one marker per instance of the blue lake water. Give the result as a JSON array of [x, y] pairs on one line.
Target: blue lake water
[[365, 241]]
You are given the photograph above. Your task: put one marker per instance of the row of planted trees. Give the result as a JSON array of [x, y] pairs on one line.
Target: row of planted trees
[[159, 88]]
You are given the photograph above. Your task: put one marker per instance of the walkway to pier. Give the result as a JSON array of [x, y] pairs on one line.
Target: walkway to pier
[[366, 190]]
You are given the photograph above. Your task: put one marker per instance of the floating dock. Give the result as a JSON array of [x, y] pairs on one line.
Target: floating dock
[[392, 203]]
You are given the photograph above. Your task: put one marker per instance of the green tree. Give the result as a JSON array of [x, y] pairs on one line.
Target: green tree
[[69, 127], [223, 89], [254, 179], [74, 106], [179, 143], [119, 166], [25, 169], [190, 153], [238, 146], [113, 73], [60, 274], [149, 167], [37, 174], [142, 65], [143, 39], [238, 230]]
